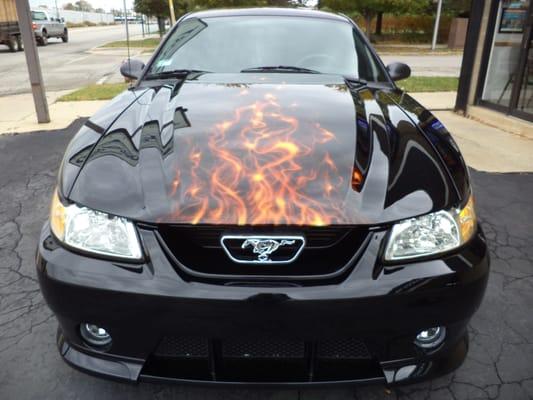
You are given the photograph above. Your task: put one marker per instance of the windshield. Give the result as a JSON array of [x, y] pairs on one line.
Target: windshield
[[234, 44]]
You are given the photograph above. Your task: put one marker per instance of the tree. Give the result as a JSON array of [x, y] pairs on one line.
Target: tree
[[69, 6], [371, 8], [160, 9], [83, 5], [456, 7], [117, 13]]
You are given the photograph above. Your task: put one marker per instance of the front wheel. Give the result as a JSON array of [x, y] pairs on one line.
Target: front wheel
[[20, 46], [44, 39], [64, 37], [12, 43]]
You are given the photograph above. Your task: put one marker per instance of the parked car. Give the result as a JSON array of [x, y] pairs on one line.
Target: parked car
[[263, 206], [9, 27], [46, 27]]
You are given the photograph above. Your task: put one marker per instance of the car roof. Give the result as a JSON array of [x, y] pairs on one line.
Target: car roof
[[266, 11]]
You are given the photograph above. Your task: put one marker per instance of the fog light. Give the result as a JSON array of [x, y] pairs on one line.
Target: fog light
[[95, 335], [431, 337]]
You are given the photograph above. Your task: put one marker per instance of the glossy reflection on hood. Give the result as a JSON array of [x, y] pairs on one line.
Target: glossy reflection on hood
[[266, 161], [262, 153]]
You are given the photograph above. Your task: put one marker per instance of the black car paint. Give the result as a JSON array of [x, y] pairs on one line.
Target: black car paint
[[384, 304], [404, 174]]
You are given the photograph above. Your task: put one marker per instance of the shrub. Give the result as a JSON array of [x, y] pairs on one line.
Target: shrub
[[410, 28]]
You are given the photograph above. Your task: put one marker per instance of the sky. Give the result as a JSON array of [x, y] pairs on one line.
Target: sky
[[105, 4]]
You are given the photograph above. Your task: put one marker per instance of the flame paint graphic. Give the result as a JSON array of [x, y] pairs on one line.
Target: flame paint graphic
[[260, 167]]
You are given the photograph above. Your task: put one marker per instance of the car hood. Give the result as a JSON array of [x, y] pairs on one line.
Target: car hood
[[260, 152]]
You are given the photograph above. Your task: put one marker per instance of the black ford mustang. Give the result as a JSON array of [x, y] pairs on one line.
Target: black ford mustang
[[263, 206]]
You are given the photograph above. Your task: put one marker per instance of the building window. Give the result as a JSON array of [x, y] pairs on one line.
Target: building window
[[525, 100], [504, 66]]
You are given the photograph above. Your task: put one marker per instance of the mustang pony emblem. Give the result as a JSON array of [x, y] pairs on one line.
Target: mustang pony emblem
[[249, 249], [265, 247]]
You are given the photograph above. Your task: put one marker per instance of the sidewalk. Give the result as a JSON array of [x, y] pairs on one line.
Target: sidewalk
[[484, 147], [18, 112]]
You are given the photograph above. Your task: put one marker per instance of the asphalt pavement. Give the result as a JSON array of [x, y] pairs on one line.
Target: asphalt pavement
[[67, 65], [499, 364], [427, 64]]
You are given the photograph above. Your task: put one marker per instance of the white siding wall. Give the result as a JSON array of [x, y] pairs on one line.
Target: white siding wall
[[80, 16]]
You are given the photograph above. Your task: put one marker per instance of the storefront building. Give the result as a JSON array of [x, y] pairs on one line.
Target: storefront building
[[496, 80]]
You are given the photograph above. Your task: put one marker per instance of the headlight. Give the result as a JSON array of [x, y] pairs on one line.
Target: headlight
[[432, 233], [94, 231]]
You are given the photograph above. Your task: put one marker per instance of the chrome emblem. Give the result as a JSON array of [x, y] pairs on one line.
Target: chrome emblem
[[263, 249]]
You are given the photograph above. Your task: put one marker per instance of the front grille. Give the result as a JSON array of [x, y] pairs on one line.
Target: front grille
[[182, 346], [209, 236], [342, 348], [262, 359], [197, 251], [264, 348]]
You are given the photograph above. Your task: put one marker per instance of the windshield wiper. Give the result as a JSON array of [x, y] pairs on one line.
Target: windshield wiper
[[281, 68], [355, 83], [176, 73]]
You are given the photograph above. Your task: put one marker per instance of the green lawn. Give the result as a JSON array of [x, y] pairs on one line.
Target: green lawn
[[95, 92], [151, 43], [429, 84], [386, 49]]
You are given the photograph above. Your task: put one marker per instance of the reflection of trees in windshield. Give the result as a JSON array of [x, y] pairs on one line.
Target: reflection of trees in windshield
[[235, 43], [185, 32]]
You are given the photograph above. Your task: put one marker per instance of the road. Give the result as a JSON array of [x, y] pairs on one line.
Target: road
[[499, 364], [66, 65], [428, 64]]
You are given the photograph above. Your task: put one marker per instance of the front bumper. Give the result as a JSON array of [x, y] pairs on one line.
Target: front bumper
[[383, 307]]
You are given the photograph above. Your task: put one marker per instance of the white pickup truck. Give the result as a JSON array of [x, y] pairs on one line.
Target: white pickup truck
[[46, 27]]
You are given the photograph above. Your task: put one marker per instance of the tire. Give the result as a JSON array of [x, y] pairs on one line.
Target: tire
[[20, 46], [44, 39], [64, 37], [12, 43]]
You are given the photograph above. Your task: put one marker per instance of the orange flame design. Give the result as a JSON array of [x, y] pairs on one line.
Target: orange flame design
[[257, 169]]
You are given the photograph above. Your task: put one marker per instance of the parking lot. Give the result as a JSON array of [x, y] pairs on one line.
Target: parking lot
[[500, 360]]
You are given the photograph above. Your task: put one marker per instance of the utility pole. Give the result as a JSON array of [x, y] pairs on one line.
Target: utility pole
[[172, 15], [436, 28], [32, 60], [127, 29]]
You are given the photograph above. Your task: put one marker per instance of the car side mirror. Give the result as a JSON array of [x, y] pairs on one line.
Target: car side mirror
[[399, 71], [132, 69]]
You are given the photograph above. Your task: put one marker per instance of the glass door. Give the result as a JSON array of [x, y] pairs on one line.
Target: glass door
[[506, 68], [525, 89]]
